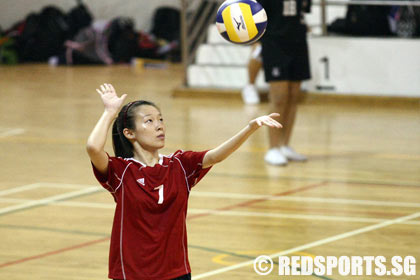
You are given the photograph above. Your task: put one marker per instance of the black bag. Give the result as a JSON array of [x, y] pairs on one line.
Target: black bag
[[339, 26], [43, 35], [122, 40], [367, 20], [78, 18], [55, 21], [166, 24]]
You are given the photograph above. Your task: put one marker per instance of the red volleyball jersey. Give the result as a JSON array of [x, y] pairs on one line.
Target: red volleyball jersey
[[149, 237]]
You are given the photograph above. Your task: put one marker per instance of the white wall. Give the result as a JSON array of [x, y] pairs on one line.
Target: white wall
[[140, 10], [365, 66]]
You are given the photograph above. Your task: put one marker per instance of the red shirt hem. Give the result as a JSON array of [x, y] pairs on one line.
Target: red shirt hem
[[165, 277]]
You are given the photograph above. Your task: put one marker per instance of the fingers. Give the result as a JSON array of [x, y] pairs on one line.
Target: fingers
[[271, 123], [268, 121], [274, 115], [105, 88], [123, 97], [98, 91], [111, 87], [275, 123]]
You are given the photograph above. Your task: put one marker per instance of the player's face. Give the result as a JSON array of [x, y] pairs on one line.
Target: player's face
[[150, 128]]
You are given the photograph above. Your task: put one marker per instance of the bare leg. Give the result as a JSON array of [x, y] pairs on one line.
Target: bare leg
[[291, 109], [254, 64], [254, 67], [289, 120], [279, 95]]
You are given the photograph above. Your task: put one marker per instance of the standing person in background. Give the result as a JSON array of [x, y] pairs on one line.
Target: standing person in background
[[286, 65]]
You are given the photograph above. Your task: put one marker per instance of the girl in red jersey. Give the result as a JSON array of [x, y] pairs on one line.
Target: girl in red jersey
[[149, 238]]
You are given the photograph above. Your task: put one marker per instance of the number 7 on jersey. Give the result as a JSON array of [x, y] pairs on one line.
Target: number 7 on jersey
[[160, 188]]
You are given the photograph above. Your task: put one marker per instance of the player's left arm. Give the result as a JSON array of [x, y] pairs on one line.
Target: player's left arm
[[224, 150]]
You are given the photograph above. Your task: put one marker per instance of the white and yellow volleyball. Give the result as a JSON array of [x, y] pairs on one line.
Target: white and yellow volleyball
[[241, 21]]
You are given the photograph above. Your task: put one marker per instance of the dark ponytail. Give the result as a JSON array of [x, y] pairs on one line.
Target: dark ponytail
[[126, 119]]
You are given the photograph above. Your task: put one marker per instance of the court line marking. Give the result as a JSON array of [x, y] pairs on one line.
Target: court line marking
[[52, 230], [68, 186], [251, 202], [20, 189], [103, 239], [312, 244], [47, 200], [197, 216], [44, 185], [307, 199], [327, 180], [235, 196], [55, 252], [224, 213], [296, 216], [200, 193], [224, 195], [11, 132], [348, 181], [64, 203]]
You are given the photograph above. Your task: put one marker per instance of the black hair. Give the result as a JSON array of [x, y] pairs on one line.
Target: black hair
[[126, 119]]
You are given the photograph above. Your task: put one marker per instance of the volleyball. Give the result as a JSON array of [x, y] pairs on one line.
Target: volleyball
[[241, 21]]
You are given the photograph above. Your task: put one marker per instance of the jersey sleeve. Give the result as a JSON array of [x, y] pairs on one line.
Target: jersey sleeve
[[192, 163], [112, 180]]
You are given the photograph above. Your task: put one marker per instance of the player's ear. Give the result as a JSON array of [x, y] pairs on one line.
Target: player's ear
[[129, 134]]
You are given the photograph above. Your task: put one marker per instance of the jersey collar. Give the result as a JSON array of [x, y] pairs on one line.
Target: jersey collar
[[144, 165]]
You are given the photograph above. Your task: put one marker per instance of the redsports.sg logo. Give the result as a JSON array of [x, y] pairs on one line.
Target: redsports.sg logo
[[330, 265]]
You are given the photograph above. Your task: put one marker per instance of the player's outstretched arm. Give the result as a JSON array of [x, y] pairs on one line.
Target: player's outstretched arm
[[224, 150], [97, 138]]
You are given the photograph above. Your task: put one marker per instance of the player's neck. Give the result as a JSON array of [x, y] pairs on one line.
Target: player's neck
[[146, 156]]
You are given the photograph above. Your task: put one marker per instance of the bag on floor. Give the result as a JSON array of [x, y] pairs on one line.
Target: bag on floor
[[78, 18], [166, 24], [43, 35], [367, 20]]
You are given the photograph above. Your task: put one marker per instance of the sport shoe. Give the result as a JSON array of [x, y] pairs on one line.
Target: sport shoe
[[250, 95], [275, 157], [291, 154]]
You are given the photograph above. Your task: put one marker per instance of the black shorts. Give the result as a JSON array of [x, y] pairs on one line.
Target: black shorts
[[285, 61], [184, 277]]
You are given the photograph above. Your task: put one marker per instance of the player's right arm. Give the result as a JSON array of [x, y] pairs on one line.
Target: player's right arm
[[97, 138], [225, 149]]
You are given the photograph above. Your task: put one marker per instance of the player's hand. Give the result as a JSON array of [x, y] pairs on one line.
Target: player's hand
[[266, 120], [112, 102]]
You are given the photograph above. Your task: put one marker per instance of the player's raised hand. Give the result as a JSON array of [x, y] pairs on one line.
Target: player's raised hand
[[112, 102], [267, 120]]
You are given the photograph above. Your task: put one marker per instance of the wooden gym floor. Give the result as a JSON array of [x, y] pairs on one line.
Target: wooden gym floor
[[358, 195]]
